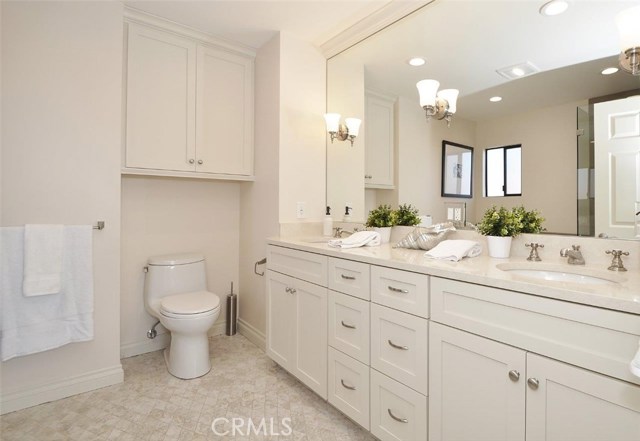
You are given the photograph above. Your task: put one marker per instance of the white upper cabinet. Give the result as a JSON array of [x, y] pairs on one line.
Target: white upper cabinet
[[189, 107], [379, 149]]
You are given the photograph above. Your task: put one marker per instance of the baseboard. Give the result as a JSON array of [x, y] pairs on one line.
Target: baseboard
[[62, 389], [252, 334], [147, 345]]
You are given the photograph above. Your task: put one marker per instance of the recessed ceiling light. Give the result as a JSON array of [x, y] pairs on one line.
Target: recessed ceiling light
[[554, 7], [416, 61], [610, 70], [518, 70], [495, 99]]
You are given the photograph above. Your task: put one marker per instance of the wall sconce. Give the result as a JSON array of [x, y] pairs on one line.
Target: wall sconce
[[628, 22], [441, 105], [342, 132]]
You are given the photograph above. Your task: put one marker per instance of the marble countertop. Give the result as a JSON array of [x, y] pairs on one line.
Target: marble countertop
[[623, 295]]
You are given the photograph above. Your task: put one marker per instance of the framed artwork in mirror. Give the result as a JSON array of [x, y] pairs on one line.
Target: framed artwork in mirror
[[457, 170]]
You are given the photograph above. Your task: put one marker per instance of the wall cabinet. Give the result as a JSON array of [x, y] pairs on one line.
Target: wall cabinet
[[189, 107], [379, 150]]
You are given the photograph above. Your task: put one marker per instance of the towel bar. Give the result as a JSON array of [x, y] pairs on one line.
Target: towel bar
[[99, 226], [255, 266]]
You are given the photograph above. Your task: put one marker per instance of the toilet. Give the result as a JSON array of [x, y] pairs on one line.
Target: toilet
[[175, 292]]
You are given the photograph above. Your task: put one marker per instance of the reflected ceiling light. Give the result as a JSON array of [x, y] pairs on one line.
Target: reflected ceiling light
[[440, 105], [495, 99], [554, 7], [416, 61], [628, 22], [610, 70], [518, 70], [349, 130]]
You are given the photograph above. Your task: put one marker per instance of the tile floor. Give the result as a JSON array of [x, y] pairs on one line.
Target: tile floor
[[153, 405]]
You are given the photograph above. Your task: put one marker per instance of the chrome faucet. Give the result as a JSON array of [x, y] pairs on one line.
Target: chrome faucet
[[616, 263], [574, 254], [533, 255], [338, 232]]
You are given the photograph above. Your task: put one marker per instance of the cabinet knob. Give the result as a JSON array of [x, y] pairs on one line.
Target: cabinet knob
[[287, 289], [533, 383], [514, 375], [293, 291], [200, 161], [191, 161]]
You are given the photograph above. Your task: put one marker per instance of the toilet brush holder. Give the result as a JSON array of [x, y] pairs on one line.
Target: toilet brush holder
[[232, 313]]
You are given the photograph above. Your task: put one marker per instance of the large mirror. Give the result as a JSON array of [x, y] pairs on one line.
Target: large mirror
[[397, 156]]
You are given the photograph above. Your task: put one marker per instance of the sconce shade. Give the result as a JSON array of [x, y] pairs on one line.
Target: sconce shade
[[333, 121], [451, 96], [353, 125], [628, 22], [427, 90]]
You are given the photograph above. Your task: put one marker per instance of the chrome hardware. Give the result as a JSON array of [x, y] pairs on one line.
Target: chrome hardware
[[400, 420], [616, 263], [191, 161], [368, 177], [346, 325], [392, 344], [574, 254], [99, 225], [152, 333], [293, 291], [255, 266], [338, 232], [533, 383], [533, 255], [347, 277], [347, 387], [514, 375], [287, 289], [200, 161], [145, 269], [402, 291]]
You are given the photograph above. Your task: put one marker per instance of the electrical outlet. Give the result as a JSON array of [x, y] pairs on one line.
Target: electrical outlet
[[457, 214], [301, 210]]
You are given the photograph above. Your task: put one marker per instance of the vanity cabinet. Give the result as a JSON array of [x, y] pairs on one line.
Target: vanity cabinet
[[379, 140], [189, 107]]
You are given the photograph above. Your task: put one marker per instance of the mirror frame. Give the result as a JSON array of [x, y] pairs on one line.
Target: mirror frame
[[458, 170]]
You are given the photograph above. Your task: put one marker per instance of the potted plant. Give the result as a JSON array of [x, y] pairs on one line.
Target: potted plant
[[500, 225], [381, 219], [531, 220], [406, 220]]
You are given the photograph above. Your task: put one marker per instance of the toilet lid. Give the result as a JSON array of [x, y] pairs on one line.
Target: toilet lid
[[195, 302]]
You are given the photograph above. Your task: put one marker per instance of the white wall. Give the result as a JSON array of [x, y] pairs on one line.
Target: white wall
[[168, 216], [61, 125]]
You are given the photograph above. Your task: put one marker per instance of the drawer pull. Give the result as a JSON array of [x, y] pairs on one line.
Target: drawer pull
[[533, 383], [347, 277], [347, 325], [346, 386], [514, 375], [402, 291], [392, 344], [400, 420]]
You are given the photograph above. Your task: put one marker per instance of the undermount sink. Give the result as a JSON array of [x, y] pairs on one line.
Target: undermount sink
[[556, 273]]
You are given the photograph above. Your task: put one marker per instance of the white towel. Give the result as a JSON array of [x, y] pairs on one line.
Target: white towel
[[42, 259], [455, 250], [40, 323], [359, 239]]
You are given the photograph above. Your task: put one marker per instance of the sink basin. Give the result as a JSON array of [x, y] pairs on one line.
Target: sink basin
[[559, 274]]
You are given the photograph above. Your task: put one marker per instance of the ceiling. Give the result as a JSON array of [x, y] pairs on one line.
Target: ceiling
[[254, 22]]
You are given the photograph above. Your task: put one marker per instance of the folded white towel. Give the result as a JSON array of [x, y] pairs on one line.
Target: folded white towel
[[42, 259], [359, 239], [634, 366], [455, 250]]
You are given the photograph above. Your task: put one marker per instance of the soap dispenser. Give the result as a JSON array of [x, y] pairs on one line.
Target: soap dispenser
[[347, 214], [327, 223]]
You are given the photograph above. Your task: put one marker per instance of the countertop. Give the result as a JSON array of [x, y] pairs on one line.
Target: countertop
[[624, 295]]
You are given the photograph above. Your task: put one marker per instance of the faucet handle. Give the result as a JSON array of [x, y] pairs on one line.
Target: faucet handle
[[616, 263], [617, 253], [533, 255]]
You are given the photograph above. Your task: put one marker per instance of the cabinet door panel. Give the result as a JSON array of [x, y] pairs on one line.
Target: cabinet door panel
[[573, 404], [472, 396], [160, 120], [224, 137], [280, 319], [349, 325], [379, 122], [349, 386]]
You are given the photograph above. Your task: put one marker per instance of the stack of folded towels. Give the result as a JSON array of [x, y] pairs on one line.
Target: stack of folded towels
[[454, 250], [359, 239]]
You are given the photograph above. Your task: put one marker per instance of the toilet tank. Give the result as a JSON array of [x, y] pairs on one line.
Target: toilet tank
[[174, 274]]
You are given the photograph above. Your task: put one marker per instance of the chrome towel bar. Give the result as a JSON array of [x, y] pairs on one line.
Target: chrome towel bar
[[99, 225]]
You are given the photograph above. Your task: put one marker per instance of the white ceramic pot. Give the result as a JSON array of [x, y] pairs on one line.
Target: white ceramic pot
[[499, 247], [385, 234], [399, 232]]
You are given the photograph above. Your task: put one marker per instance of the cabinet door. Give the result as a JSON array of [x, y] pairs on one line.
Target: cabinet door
[[160, 131], [571, 403], [477, 387], [310, 335], [224, 137], [379, 149], [349, 387], [349, 325], [280, 319]]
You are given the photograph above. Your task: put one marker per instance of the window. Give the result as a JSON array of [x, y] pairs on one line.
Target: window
[[503, 171]]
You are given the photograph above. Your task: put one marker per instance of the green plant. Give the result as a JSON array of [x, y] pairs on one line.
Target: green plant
[[531, 220], [407, 215], [381, 217], [500, 222]]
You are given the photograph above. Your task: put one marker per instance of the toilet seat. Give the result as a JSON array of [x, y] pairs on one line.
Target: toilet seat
[[189, 304]]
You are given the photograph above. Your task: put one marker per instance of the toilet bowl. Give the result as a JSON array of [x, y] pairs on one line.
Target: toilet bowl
[[175, 293]]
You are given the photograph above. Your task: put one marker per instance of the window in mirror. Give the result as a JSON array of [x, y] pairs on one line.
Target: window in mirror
[[503, 171]]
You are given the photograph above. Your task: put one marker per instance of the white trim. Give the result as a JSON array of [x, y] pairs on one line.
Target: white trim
[[185, 174], [147, 345], [252, 334], [61, 389], [380, 19]]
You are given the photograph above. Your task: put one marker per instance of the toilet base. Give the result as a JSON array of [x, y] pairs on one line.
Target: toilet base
[[188, 358]]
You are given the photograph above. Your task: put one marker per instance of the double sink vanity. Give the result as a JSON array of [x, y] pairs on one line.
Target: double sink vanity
[[483, 349]]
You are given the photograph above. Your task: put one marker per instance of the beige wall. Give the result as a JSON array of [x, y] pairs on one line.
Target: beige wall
[[61, 121], [168, 216]]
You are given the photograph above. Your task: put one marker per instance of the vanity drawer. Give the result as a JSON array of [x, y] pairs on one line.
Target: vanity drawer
[[399, 346], [299, 264], [349, 277], [397, 412], [349, 325], [349, 387], [598, 339], [403, 290]]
